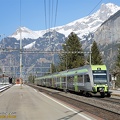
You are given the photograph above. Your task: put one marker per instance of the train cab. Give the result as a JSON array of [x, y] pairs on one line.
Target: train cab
[[18, 81]]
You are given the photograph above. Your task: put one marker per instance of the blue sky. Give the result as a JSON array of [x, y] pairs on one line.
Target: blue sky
[[33, 13]]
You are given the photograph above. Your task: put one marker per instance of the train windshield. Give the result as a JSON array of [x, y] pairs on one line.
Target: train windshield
[[100, 78]]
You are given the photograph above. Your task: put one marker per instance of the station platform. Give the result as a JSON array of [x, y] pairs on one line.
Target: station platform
[[26, 103]]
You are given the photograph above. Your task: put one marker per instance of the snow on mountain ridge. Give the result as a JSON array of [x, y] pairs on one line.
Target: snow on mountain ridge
[[27, 33], [89, 23], [80, 27], [30, 46]]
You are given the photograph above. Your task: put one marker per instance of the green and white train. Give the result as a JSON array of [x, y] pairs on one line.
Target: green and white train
[[88, 80]]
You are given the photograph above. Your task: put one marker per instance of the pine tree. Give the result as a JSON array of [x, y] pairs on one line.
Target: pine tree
[[116, 70], [53, 68], [31, 78], [96, 58], [0, 70], [118, 58], [72, 57]]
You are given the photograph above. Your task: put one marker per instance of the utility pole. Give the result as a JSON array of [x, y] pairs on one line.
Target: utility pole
[[90, 53], [66, 67], [3, 48], [20, 59], [20, 49]]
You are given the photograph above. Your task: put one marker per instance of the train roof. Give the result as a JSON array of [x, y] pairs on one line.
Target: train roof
[[96, 67], [83, 69]]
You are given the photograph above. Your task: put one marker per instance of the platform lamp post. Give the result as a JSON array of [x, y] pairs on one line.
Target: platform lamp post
[[20, 59], [3, 39], [3, 77], [66, 70], [53, 62], [3, 48], [21, 50]]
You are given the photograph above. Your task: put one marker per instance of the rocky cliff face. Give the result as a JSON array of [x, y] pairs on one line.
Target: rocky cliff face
[[108, 37], [109, 31]]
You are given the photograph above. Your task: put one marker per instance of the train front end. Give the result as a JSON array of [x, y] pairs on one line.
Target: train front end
[[100, 80]]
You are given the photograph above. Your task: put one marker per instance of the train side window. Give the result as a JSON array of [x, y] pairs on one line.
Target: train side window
[[110, 78], [70, 79], [63, 79], [58, 79], [80, 78], [86, 78]]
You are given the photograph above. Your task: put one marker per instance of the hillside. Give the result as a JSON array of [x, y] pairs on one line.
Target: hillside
[[100, 26]]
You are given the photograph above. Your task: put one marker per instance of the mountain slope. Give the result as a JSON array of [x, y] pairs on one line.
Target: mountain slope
[[27, 33], [45, 40], [109, 31], [90, 23], [81, 26]]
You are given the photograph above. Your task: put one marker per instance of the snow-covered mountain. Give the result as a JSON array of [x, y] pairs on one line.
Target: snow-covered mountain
[[96, 25], [89, 23], [27, 33], [81, 26], [30, 46]]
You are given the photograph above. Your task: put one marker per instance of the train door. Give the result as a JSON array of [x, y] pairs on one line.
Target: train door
[[60, 82], [70, 82], [87, 82], [63, 82], [76, 83]]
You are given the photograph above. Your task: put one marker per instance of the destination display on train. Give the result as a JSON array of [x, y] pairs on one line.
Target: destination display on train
[[99, 71]]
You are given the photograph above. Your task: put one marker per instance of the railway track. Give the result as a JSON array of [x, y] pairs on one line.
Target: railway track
[[111, 100], [101, 108]]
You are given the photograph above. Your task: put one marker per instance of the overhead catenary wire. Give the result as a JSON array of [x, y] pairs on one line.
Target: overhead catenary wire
[[50, 9], [95, 7], [20, 13], [88, 15], [55, 18], [52, 12], [45, 14], [56, 13], [50, 15]]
